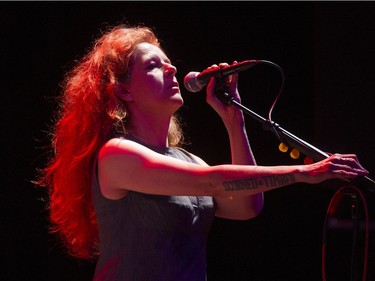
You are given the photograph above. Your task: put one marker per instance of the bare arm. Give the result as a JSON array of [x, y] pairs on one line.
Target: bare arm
[[235, 207], [125, 165]]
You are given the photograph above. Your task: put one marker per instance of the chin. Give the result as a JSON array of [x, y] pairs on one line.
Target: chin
[[178, 99], [177, 105]]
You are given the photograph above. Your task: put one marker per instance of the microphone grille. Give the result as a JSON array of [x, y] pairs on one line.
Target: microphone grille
[[191, 82]]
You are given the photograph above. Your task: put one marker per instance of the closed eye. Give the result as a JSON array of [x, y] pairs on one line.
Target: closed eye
[[152, 65]]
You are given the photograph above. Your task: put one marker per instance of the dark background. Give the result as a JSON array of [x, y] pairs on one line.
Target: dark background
[[327, 53]]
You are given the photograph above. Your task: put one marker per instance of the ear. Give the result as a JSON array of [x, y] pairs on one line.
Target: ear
[[122, 91]]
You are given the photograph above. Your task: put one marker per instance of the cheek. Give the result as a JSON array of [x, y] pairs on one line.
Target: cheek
[[147, 85], [146, 91], [152, 86]]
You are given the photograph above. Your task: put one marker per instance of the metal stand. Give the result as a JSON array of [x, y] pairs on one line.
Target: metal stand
[[315, 154], [287, 137]]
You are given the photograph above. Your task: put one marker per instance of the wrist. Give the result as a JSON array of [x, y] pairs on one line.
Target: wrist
[[234, 121], [301, 174]]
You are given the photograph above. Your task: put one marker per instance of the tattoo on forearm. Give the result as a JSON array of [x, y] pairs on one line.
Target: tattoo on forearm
[[254, 183]]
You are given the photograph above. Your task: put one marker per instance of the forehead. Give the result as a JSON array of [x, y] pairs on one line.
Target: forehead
[[145, 50]]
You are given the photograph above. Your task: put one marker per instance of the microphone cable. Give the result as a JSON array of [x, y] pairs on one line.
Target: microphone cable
[[281, 89]]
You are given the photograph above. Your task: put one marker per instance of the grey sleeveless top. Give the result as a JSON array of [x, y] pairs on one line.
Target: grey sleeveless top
[[147, 237]]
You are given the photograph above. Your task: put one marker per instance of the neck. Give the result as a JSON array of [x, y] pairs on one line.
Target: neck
[[151, 131]]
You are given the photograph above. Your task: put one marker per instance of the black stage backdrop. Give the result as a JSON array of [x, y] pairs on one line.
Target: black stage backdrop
[[327, 52]]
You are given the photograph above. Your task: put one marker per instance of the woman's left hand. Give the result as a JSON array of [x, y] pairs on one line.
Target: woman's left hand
[[226, 112]]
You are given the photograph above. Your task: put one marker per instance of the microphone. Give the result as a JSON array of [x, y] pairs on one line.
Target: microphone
[[195, 81]]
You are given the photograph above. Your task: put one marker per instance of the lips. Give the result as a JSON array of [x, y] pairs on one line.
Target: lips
[[174, 85]]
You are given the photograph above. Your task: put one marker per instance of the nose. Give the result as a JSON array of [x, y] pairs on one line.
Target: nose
[[170, 69]]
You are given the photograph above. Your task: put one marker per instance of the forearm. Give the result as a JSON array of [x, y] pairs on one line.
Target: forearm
[[241, 152], [248, 180], [239, 206], [230, 181]]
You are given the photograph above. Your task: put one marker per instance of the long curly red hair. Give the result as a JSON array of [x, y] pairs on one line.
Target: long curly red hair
[[89, 113]]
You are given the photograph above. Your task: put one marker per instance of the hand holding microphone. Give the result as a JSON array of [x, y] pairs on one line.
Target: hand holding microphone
[[195, 81], [221, 92]]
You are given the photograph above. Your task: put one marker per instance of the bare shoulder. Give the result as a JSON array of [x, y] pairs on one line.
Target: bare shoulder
[[117, 158], [119, 146]]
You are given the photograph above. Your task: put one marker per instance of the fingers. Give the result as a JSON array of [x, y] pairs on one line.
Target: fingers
[[226, 112], [347, 159], [212, 83], [231, 80], [211, 86], [346, 165]]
